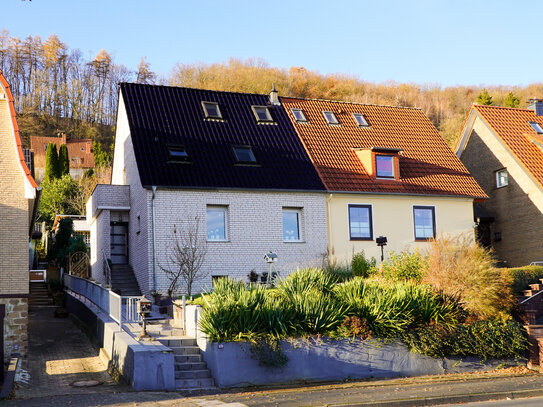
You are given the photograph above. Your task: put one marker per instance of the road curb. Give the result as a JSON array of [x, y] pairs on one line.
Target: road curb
[[460, 398]]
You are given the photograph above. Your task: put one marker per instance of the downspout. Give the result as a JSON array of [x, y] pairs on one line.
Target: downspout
[[153, 189], [331, 253]]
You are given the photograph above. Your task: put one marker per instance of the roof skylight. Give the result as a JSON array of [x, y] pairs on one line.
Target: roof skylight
[[330, 117], [244, 154], [178, 154], [211, 110], [360, 120], [537, 127], [298, 115], [262, 113]]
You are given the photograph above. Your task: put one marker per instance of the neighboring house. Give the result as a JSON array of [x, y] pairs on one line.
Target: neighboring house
[[18, 203], [79, 152], [502, 148], [388, 172], [80, 227], [231, 160]]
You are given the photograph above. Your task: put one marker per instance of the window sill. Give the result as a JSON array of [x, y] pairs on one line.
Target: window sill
[[361, 239], [218, 241], [424, 239], [293, 241]]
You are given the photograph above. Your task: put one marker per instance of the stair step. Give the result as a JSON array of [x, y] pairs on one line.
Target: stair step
[[190, 366], [529, 293], [194, 383], [192, 358], [185, 350], [179, 342], [192, 374], [537, 287]]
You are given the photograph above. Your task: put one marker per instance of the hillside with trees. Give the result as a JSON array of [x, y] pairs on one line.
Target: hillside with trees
[[57, 89]]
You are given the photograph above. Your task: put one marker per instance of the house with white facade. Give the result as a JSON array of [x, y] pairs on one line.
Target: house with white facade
[[231, 163]]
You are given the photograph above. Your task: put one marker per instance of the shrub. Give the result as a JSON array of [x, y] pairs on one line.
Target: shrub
[[523, 276], [339, 274], [493, 338], [361, 266], [460, 268], [405, 266], [354, 326]]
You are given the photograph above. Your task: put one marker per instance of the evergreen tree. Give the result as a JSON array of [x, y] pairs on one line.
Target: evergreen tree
[[63, 161], [511, 100], [484, 98], [101, 157], [51, 163]]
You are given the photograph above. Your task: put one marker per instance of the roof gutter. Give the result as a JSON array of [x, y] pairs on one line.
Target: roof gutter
[[153, 189]]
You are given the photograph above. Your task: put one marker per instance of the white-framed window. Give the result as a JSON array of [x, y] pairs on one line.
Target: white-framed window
[[360, 120], [244, 154], [262, 114], [424, 222], [292, 224], [212, 110], [360, 222], [537, 127], [216, 223], [298, 115], [330, 117], [384, 166], [502, 178]]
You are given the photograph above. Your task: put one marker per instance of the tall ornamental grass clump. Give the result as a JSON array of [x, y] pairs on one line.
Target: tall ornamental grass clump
[[462, 269], [391, 308]]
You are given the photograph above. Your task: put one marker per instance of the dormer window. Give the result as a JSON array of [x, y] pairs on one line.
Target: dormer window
[[330, 118], [537, 127], [384, 166], [262, 114], [298, 115], [178, 154], [244, 154], [361, 120], [211, 110]]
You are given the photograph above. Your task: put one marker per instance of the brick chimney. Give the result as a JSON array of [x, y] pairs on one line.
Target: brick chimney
[[536, 105]]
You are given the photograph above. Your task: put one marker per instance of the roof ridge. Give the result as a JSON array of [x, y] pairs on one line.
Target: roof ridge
[[352, 103], [501, 107], [190, 88]]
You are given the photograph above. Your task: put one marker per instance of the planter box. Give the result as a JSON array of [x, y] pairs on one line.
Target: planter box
[[325, 359]]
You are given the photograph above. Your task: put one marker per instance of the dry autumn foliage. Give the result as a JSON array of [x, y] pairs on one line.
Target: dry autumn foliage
[[461, 268]]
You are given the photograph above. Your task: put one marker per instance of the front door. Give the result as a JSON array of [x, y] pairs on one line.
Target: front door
[[119, 243]]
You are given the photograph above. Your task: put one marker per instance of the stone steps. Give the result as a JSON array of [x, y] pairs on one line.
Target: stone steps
[[191, 372], [124, 280], [39, 295]]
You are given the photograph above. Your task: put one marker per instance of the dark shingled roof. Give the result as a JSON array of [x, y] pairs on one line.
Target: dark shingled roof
[[160, 116]]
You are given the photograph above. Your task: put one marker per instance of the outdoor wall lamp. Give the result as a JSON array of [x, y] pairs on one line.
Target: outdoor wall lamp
[[381, 242]]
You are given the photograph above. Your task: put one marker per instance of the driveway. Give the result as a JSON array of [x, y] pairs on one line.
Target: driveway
[[59, 354]]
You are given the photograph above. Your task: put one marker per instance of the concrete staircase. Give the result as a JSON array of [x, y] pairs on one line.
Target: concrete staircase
[[191, 372], [531, 312], [123, 280], [39, 295]]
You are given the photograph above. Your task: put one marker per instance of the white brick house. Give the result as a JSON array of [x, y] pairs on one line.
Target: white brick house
[[232, 160]]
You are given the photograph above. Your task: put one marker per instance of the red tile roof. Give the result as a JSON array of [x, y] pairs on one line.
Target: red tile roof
[[427, 165], [512, 127], [18, 142]]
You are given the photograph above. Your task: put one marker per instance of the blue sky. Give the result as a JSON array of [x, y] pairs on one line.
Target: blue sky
[[439, 42]]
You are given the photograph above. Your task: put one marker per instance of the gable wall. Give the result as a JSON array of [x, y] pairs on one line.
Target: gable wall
[[517, 207], [254, 228], [14, 225], [125, 172]]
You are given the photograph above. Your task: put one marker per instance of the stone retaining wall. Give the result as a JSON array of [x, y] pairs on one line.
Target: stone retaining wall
[[15, 326]]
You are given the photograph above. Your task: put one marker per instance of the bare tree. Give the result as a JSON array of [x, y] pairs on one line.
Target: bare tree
[[186, 254]]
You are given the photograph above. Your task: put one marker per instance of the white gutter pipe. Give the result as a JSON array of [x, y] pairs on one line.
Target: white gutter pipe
[[153, 189]]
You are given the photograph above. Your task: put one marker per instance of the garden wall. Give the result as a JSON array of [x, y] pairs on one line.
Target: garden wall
[[232, 364]]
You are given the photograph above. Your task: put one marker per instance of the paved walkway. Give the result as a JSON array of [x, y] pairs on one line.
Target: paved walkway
[[59, 354]]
